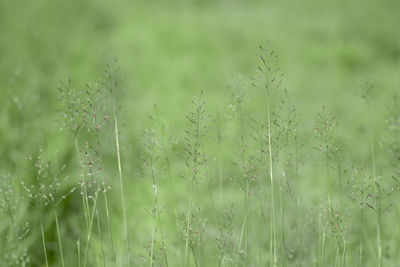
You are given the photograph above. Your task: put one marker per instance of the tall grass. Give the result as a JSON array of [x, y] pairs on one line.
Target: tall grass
[[111, 82], [195, 160], [151, 157], [264, 222], [269, 78]]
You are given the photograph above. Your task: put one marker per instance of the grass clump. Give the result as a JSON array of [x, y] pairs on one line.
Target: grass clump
[[261, 219]]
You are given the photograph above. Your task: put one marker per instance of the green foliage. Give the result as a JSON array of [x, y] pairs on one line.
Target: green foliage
[[76, 198]]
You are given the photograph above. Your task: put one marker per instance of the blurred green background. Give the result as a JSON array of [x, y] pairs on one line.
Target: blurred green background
[[168, 51]]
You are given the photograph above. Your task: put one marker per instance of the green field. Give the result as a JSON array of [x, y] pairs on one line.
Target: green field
[[226, 160]]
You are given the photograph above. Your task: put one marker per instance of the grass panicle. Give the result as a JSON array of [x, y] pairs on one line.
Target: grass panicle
[[112, 82], [195, 161], [269, 79]]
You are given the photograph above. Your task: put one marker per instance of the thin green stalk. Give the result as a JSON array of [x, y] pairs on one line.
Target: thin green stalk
[[246, 240], [329, 192], [328, 175], [247, 188], [90, 229], [244, 229], [85, 202], [219, 162], [162, 235], [361, 230], [78, 245], [85, 199], [156, 214], [323, 249], [317, 247], [210, 191], [109, 229], [262, 220], [283, 230], [319, 250], [261, 237], [296, 169], [195, 259], [172, 186], [152, 240], [296, 157], [244, 226], [199, 249], [282, 204], [337, 256], [10, 214], [188, 224], [379, 229], [101, 236], [371, 143], [398, 258], [272, 181], [120, 173], [379, 220], [59, 238], [43, 242], [344, 253]]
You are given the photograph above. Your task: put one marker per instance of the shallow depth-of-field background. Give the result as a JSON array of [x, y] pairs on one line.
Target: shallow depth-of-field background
[[168, 53]]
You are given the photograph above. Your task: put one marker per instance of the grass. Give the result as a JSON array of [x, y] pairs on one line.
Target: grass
[[111, 83], [287, 195], [195, 162]]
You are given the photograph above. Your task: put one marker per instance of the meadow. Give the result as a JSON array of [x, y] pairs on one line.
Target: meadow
[[200, 133]]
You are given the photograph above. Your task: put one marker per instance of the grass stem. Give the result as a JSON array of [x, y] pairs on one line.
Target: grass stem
[[59, 238], [44, 243], [186, 262], [271, 173], [113, 89], [109, 229]]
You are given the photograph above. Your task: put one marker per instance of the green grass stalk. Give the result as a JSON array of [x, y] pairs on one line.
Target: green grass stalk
[[12, 219], [109, 229], [243, 232], [283, 249], [344, 252], [85, 201], [101, 236], [379, 212], [186, 262], [152, 240], [323, 249], [219, 161], [90, 230], [360, 262], [43, 242], [195, 160], [78, 246], [59, 238], [271, 173], [156, 213], [113, 89]]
